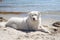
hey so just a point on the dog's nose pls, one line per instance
(33, 18)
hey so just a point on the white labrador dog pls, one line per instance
(31, 22)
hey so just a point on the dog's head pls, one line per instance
(34, 15)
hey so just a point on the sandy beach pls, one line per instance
(12, 34)
(50, 13)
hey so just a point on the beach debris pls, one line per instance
(48, 29)
(56, 24)
(2, 19)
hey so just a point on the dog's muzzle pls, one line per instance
(33, 18)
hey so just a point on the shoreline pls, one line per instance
(43, 13)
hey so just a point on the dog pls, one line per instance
(31, 22)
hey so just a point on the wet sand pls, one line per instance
(48, 19)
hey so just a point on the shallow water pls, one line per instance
(56, 17)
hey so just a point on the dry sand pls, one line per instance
(12, 34)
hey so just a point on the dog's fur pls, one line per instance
(31, 22)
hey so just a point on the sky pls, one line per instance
(29, 5)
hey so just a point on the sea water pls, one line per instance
(29, 5)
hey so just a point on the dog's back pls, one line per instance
(17, 23)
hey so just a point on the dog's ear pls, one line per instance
(39, 13)
(29, 13)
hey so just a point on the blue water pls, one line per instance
(29, 5)
(56, 17)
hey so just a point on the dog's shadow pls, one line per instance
(28, 31)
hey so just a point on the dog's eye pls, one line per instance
(35, 14)
(32, 15)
